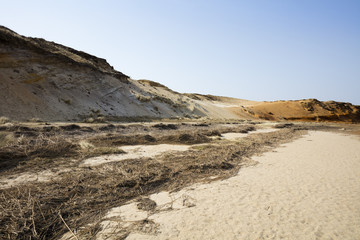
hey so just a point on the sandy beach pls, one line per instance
(234, 120)
(307, 189)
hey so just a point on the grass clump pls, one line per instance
(6, 138)
(25, 149)
(4, 120)
(105, 151)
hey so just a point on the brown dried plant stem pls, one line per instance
(67, 226)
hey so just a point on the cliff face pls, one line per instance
(51, 52)
(41, 79)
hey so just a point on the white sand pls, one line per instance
(235, 136)
(309, 189)
(26, 177)
(134, 152)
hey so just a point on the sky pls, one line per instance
(250, 49)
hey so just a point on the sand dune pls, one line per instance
(48, 81)
(308, 189)
(306, 110)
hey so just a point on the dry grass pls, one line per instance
(34, 120)
(167, 133)
(6, 138)
(39, 210)
(4, 120)
(31, 148)
(283, 125)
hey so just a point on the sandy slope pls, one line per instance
(306, 110)
(309, 189)
(41, 79)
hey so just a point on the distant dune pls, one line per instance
(307, 110)
(52, 82)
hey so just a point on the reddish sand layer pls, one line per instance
(306, 110)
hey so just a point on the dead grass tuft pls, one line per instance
(146, 204)
(4, 120)
(40, 147)
(165, 126)
(104, 151)
(34, 120)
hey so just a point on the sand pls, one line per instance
(26, 177)
(134, 152)
(307, 189)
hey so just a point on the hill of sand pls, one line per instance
(306, 110)
(52, 82)
(41, 79)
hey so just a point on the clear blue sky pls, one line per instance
(250, 49)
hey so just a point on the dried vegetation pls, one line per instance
(47, 210)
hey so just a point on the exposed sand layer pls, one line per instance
(309, 189)
(306, 110)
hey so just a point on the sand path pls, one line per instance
(309, 189)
